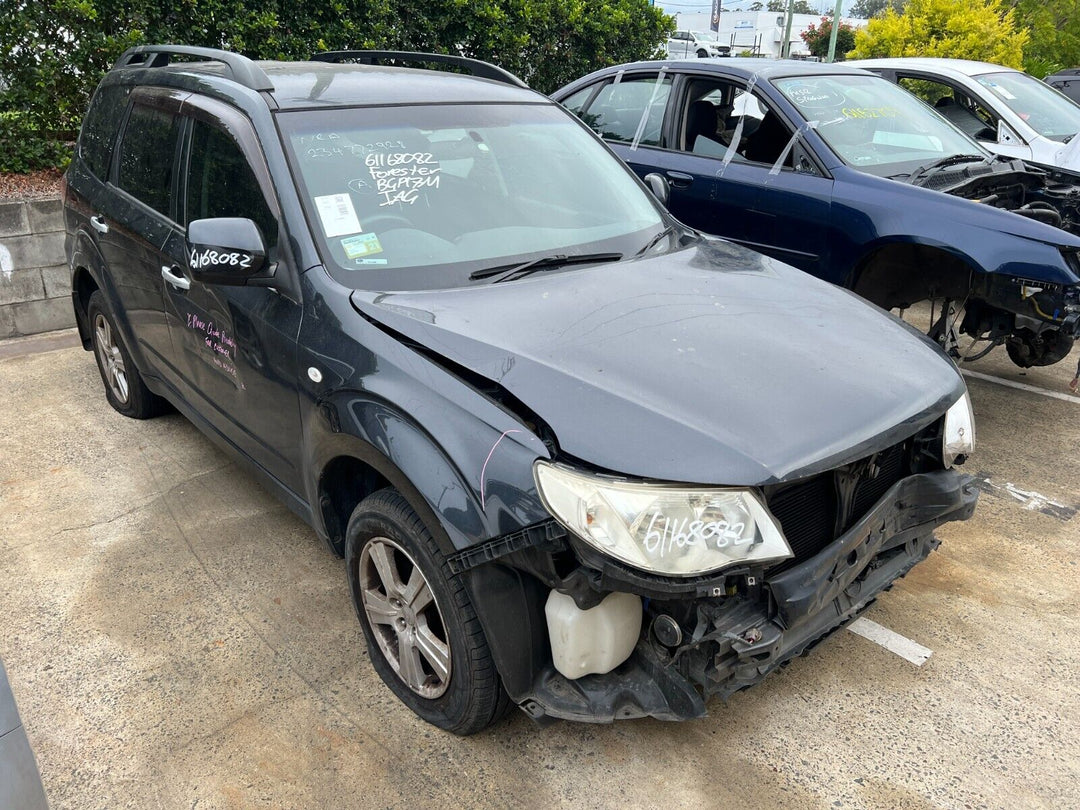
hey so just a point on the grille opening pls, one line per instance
(808, 510)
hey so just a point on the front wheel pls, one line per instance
(423, 636)
(702, 54)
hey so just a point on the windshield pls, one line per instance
(1044, 109)
(419, 197)
(705, 36)
(875, 126)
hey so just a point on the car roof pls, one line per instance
(962, 67)
(746, 67)
(300, 85)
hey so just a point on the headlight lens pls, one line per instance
(674, 531)
(958, 438)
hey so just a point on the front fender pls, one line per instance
(984, 238)
(484, 491)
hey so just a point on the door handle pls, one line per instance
(98, 221)
(178, 281)
(680, 180)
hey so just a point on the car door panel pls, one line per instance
(785, 214)
(133, 221)
(235, 346)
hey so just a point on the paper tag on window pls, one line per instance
(338, 215)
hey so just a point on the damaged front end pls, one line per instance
(1038, 320)
(851, 531)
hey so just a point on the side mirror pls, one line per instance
(659, 187)
(225, 250)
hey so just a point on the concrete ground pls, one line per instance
(177, 639)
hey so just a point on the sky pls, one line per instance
(691, 7)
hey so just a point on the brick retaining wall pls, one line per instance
(35, 283)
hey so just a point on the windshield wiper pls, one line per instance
(951, 160)
(505, 272)
(668, 231)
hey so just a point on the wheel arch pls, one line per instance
(83, 285)
(899, 273)
(508, 602)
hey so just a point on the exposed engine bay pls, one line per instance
(1011, 185)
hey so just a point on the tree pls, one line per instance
(865, 9)
(817, 38)
(801, 6)
(962, 29)
(1055, 35)
(54, 52)
(756, 6)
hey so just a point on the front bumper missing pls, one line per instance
(738, 640)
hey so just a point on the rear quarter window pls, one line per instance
(98, 137)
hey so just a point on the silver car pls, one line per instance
(1006, 110)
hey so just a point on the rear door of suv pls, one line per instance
(135, 222)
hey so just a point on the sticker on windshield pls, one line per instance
(363, 244)
(337, 214)
(870, 112)
(997, 88)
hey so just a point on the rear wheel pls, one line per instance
(124, 386)
(422, 632)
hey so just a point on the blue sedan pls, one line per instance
(848, 177)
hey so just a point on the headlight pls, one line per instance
(669, 530)
(958, 438)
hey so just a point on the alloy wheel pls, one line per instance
(112, 362)
(404, 617)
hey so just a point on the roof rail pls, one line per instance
(244, 71)
(476, 67)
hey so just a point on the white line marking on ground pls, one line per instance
(893, 642)
(1030, 500)
(978, 375)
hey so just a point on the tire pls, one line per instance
(124, 386)
(447, 676)
(703, 54)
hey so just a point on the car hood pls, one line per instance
(713, 364)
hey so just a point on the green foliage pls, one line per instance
(23, 150)
(817, 38)
(801, 6)
(1055, 35)
(960, 29)
(865, 9)
(54, 52)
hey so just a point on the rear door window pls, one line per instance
(147, 157)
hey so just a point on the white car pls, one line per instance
(1006, 110)
(702, 44)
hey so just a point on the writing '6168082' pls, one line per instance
(577, 457)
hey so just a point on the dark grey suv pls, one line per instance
(577, 457)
